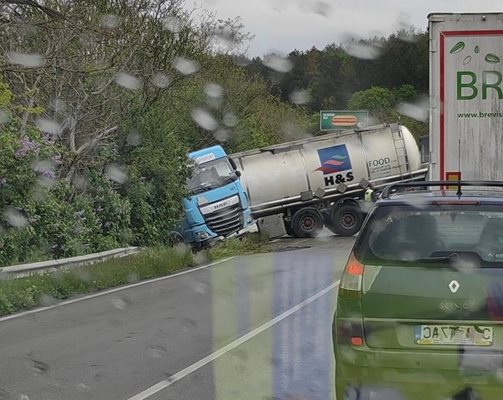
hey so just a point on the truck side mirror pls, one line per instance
(233, 164)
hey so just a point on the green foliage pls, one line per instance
(377, 100)
(249, 244)
(23, 293)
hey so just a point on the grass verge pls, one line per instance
(45, 289)
(249, 244)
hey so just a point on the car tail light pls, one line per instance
(353, 275)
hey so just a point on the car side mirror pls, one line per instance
(238, 173)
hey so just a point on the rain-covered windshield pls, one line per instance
(435, 233)
(210, 175)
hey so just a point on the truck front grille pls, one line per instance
(225, 221)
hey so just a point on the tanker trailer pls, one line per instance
(300, 186)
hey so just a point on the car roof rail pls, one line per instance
(394, 187)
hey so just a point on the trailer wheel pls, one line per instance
(307, 222)
(345, 219)
(288, 228)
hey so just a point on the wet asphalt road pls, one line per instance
(253, 327)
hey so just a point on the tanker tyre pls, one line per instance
(288, 229)
(345, 219)
(307, 222)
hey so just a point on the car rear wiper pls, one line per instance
(453, 257)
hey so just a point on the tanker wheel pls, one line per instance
(288, 228)
(307, 222)
(345, 219)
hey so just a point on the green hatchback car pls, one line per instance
(420, 305)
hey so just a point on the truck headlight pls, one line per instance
(203, 235)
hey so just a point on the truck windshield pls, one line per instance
(210, 175)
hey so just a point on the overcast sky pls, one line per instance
(285, 25)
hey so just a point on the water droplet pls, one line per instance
(28, 60)
(200, 258)
(204, 119)
(160, 80)
(15, 218)
(318, 7)
(41, 165)
(201, 287)
(222, 135)
(23, 397)
(419, 110)
(134, 138)
(121, 303)
(230, 119)
(4, 116)
(48, 126)
(59, 105)
(277, 63)
(116, 173)
(157, 351)
(80, 182)
(189, 325)
(133, 277)
(110, 21)
(40, 366)
(172, 24)
(47, 300)
(299, 96)
(186, 66)
(82, 387)
(365, 51)
(127, 81)
(213, 90)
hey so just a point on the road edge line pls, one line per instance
(110, 291)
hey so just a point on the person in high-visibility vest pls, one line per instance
(370, 195)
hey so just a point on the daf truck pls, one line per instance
(217, 206)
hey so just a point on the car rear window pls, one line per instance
(434, 234)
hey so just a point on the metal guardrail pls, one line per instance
(18, 271)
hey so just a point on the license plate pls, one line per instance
(454, 335)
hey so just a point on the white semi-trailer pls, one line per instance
(299, 187)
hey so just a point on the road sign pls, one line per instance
(343, 119)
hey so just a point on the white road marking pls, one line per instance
(104, 293)
(222, 351)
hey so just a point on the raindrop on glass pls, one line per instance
(204, 119)
(127, 81)
(110, 21)
(160, 80)
(185, 66)
(418, 110)
(134, 138)
(277, 63)
(4, 116)
(222, 135)
(121, 303)
(48, 126)
(28, 60)
(15, 218)
(23, 397)
(300, 96)
(157, 351)
(365, 51)
(116, 173)
(230, 120)
(213, 90)
(172, 24)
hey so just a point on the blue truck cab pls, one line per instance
(217, 206)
